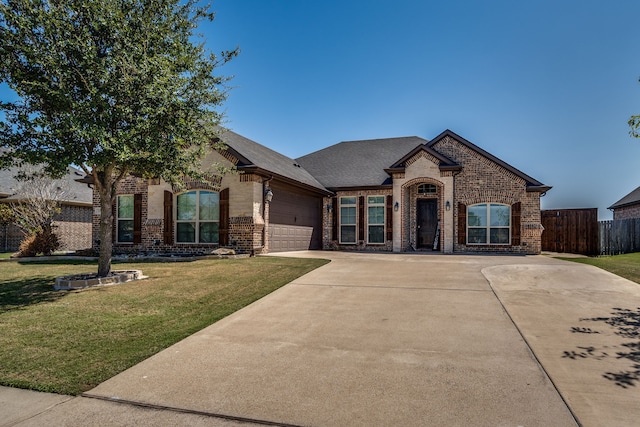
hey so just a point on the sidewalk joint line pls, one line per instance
(187, 411)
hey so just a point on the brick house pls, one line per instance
(393, 195)
(72, 225)
(627, 207)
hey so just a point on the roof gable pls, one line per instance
(443, 162)
(630, 199)
(532, 184)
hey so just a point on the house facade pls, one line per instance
(628, 207)
(392, 195)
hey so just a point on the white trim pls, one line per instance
(118, 219)
(196, 221)
(488, 226)
(353, 205)
(382, 205)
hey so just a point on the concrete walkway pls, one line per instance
(376, 340)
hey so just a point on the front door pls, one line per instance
(427, 223)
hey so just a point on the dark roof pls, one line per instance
(358, 163)
(77, 193)
(252, 156)
(532, 184)
(630, 199)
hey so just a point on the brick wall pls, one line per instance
(72, 226)
(361, 244)
(627, 212)
(483, 181)
(245, 233)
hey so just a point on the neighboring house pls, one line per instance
(72, 225)
(395, 194)
(628, 206)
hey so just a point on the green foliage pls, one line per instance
(116, 87)
(108, 83)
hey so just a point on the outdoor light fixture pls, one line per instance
(329, 208)
(268, 195)
(447, 205)
(396, 206)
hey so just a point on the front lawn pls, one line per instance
(627, 265)
(68, 342)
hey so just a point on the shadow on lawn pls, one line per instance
(15, 295)
(626, 323)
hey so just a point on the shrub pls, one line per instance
(43, 242)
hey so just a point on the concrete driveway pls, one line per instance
(381, 340)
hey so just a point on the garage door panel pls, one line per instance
(284, 237)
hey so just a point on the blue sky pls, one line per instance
(547, 86)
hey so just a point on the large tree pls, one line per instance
(116, 87)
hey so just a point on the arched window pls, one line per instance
(427, 189)
(197, 217)
(488, 224)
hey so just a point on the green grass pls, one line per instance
(627, 265)
(68, 342)
(5, 255)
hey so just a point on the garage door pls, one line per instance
(295, 219)
(289, 238)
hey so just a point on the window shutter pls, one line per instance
(462, 224)
(224, 217)
(334, 218)
(360, 219)
(516, 213)
(389, 217)
(137, 218)
(114, 228)
(168, 218)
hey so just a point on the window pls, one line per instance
(427, 189)
(375, 219)
(347, 219)
(197, 217)
(488, 224)
(124, 219)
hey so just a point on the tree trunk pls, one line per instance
(105, 192)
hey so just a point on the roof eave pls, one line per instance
(268, 174)
(362, 187)
(538, 188)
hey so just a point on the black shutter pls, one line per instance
(389, 217)
(168, 218)
(462, 224)
(516, 221)
(360, 219)
(224, 217)
(334, 218)
(114, 216)
(137, 218)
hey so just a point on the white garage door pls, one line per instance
(289, 238)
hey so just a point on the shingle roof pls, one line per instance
(76, 193)
(251, 154)
(630, 199)
(358, 163)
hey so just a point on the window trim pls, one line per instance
(197, 221)
(118, 219)
(353, 205)
(384, 219)
(488, 226)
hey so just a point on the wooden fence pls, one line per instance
(572, 231)
(619, 236)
